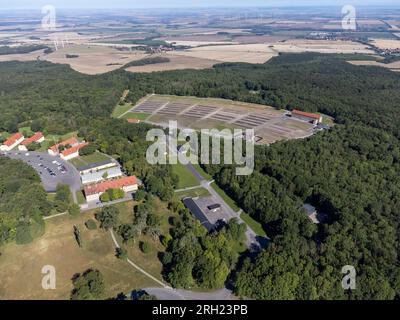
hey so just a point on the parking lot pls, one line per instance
(52, 170)
(212, 216)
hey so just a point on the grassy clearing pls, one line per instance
(52, 139)
(21, 266)
(136, 115)
(202, 172)
(198, 192)
(80, 197)
(26, 131)
(253, 224)
(186, 178)
(224, 196)
(119, 110)
(147, 261)
(92, 158)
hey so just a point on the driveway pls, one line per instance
(43, 164)
(180, 294)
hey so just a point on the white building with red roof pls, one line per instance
(12, 142)
(94, 191)
(38, 137)
(72, 152)
(306, 116)
(72, 146)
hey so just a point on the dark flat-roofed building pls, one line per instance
(198, 213)
(96, 166)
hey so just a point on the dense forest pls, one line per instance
(350, 173)
(21, 49)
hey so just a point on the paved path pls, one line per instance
(98, 204)
(180, 294)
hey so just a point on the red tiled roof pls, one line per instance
(112, 184)
(14, 138)
(306, 114)
(70, 141)
(37, 136)
(74, 149)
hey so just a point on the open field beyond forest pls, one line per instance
(394, 66)
(251, 53)
(386, 43)
(270, 125)
(20, 266)
(177, 62)
(93, 59)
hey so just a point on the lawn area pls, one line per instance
(253, 224)
(92, 158)
(202, 172)
(26, 131)
(198, 192)
(21, 266)
(52, 139)
(186, 178)
(80, 197)
(224, 196)
(147, 261)
(119, 110)
(136, 115)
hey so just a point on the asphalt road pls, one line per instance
(71, 177)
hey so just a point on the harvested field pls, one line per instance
(31, 56)
(251, 53)
(394, 66)
(177, 62)
(94, 59)
(386, 43)
(322, 46)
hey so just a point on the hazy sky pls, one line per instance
(6, 4)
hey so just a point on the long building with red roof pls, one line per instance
(37, 137)
(54, 150)
(94, 191)
(12, 142)
(310, 117)
(72, 152)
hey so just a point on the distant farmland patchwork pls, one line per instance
(270, 125)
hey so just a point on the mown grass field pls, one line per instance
(119, 110)
(92, 158)
(186, 178)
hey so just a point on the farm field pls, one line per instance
(321, 46)
(394, 66)
(251, 53)
(269, 124)
(177, 62)
(31, 56)
(386, 43)
(20, 266)
(94, 59)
